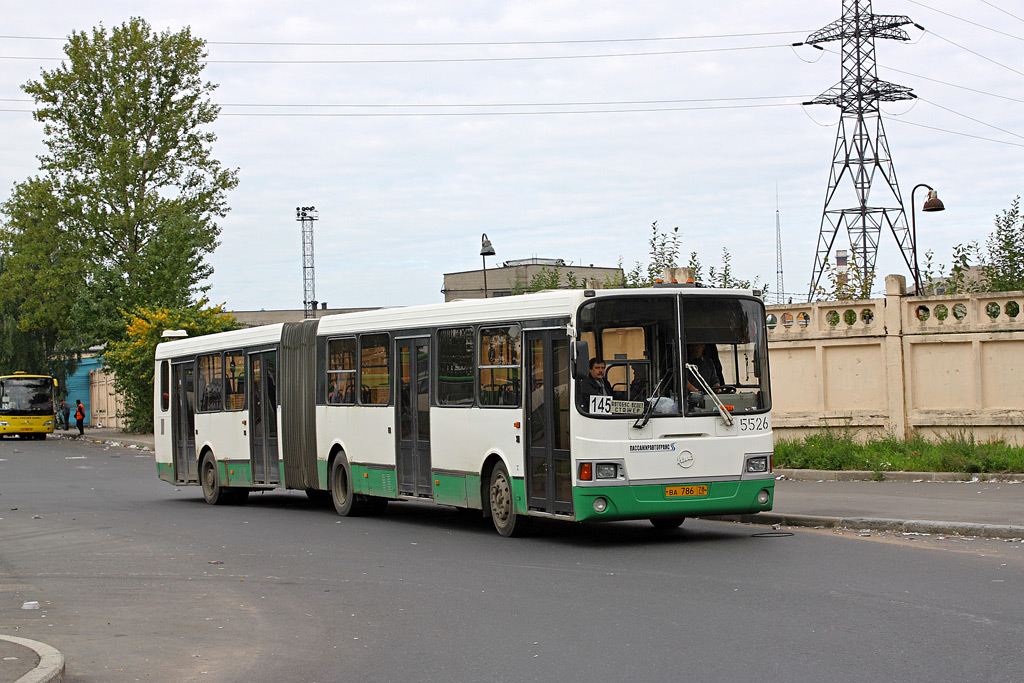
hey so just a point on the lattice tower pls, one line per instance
(861, 150)
(307, 215)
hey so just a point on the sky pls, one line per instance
(560, 128)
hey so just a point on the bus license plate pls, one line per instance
(681, 491)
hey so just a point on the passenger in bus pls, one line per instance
(594, 385)
(696, 356)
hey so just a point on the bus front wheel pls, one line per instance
(503, 512)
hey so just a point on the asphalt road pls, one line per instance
(139, 580)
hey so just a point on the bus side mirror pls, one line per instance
(581, 359)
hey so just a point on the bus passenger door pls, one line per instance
(183, 424)
(263, 418)
(413, 406)
(548, 459)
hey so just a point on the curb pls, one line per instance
(920, 526)
(51, 662)
(868, 475)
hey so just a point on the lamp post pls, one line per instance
(485, 250)
(933, 203)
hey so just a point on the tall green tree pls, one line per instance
(1004, 268)
(135, 188)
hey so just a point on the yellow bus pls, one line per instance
(26, 405)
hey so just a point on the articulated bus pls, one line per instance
(26, 405)
(485, 404)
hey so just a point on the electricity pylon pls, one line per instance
(861, 150)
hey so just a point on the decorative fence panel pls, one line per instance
(901, 366)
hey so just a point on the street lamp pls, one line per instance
(933, 203)
(485, 250)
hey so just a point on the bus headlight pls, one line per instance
(4, 423)
(600, 505)
(48, 423)
(763, 496)
(607, 470)
(758, 464)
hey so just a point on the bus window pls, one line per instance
(499, 357)
(341, 371)
(637, 338)
(210, 383)
(165, 382)
(726, 338)
(374, 370)
(234, 385)
(455, 367)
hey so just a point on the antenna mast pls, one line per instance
(306, 215)
(779, 289)
(861, 151)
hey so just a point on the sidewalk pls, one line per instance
(29, 661)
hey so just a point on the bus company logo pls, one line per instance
(685, 459)
(652, 448)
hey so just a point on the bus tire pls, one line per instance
(209, 477)
(503, 512)
(345, 503)
(664, 523)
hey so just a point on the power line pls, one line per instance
(484, 113)
(436, 60)
(1002, 10)
(508, 104)
(433, 60)
(966, 21)
(465, 43)
(953, 132)
(341, 105)
(977, 54)
(497, 113)
(971, 118)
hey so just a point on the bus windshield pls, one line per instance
(645, 344)
(26, 396)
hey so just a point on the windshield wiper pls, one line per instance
(726, 415)
(642, 421)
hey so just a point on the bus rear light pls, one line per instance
(586, 471)
(600, 505)
(607, 470)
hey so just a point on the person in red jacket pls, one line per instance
(80, 417)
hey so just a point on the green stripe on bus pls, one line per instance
(373, 481)
(649, 501)
(449, 489)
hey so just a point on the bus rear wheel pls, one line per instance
(667, 522)
(503, 513)
(345, 503)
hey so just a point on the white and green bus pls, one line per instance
(484, 404)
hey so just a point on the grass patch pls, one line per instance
(837, 450)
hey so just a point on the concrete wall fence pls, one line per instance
(902, 366)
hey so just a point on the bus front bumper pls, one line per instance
(610, 503)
